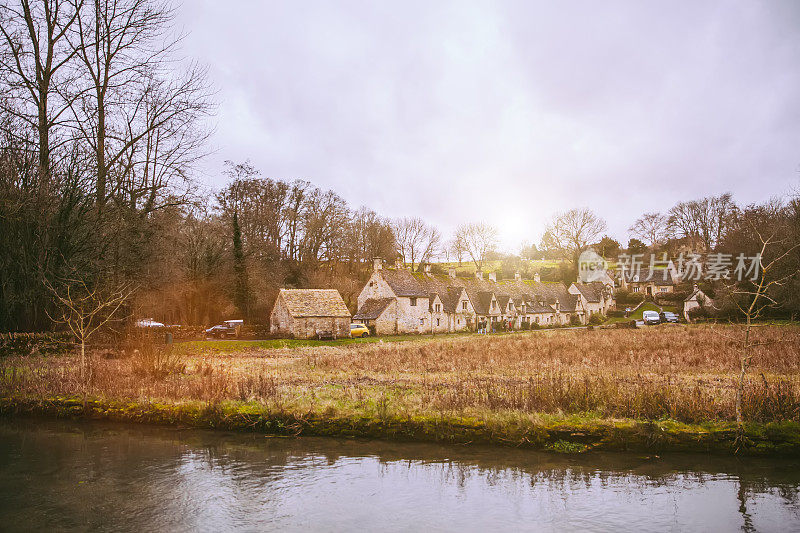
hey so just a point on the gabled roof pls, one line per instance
(432, 300)
(695, 294)
(373, 308)
(659, 276)
(502, 301)
(314, 302)
(593, 291)
(450, 300)
(569, 303)
(404, 283)
(485, 302)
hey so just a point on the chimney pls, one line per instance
(479, 275)
(377, 263)
(492, 276)
(536, 277)
(428, 268)
(695, 287)
(517, 275)
(558, 306)
(452, 273)
(398, 263)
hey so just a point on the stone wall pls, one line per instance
(410, 318)
(280, 321)
(308, 327)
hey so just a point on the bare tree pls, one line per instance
(35, 63)
(653, 228)
(457, 249)
(476, 240)
(416, 240)
(125, 48)
(704, 221)
(84, 310)
(769, 231)
(572, 231)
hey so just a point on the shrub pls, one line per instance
(574, 320)
(596, 319)
(698, 313)
(624, 297)
(151, 357)
(615, 313)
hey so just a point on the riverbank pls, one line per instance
(553, 433)
(654, 390)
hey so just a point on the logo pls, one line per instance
(591, 266)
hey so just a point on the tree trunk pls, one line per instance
(102, 172)
(84, 371)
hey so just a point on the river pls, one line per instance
(59, 475)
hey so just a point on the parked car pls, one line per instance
(221, 331)
(668, 316)
(651, 318)
(359, 331)
(148, 323)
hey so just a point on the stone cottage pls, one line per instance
(396, 300)
(650, 282)
(309, 313)
(596, 297)
(695, 300)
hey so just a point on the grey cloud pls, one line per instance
(507, 112)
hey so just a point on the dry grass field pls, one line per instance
(682, 373)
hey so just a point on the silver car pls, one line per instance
(651, 318)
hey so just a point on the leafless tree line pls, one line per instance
(702, 223)
(101, 124)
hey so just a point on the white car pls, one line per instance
(148, 323)
(650, 318)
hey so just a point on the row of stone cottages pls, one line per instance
(395, 300)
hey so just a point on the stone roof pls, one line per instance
(314, 302)
(697, 293)
(373, 308)
(569, 303)
(404, 283)
(484, 302)
(662, 276)
(502, 301)
(593, 291)
(450, 301)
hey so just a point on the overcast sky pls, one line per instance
(506, 112)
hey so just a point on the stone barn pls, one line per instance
(310, 313)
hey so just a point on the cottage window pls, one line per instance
(421, 321)
(636, 289)
(412, 302)
(464, 305)
(437, 322)
(438, 309)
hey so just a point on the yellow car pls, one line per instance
(359, 330)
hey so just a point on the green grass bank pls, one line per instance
(564, 434)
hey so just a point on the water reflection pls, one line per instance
(79, 476)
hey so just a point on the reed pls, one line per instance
(685, 373)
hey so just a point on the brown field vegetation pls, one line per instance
(684, 373)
